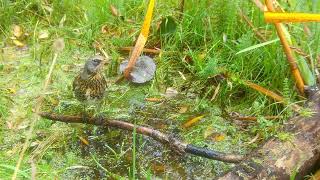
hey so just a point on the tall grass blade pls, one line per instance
(257, 46)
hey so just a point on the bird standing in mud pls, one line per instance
(90, 85)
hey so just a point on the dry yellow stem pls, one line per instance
(147, 20)
(292, 62)
(141, 41)
(146, 50)
(252, 118)
(271, 94)
(277, 17)
(265, 91)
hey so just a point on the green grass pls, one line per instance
(194, 48)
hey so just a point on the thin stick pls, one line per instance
(146, 50)
(35, 116)
(174, 144)
(252, 118)
(292, 62)
(181, 9)
(247, 20)
(141, 41)
(120, 79)
(265, 91)
(278, 17)
(259, 5)
(271, 94)
(99, 46)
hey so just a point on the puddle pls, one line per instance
(112, 148)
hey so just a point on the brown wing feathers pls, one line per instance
(91, 88)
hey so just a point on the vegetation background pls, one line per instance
(196, 48)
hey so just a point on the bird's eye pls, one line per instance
(96, 60)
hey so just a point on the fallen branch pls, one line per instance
(282, 159)
(174, 144)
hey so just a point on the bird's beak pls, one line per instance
(105, 62)
(102, 64)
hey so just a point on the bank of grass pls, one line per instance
(202, 45)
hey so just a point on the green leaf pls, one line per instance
(257, 46)
(211, 68)
(167, 26)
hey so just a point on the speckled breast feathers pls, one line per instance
(90, 84)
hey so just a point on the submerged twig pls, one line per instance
(174, 144)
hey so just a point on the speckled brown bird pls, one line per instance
(90, 85)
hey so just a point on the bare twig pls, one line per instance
(119, 79)
(181, 9)
(273, 95)
(145, 50)
(253, 118)
(174, 144)
(253, 140)
(114, 11)
(259, 4)
(248, 21)
(99, 46)
(33, 169)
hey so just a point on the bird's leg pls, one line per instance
(85, 114)
(98, 112)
